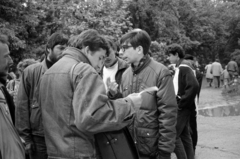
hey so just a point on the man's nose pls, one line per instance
(10, 63)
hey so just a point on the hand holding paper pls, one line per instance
(137, 97)
(150, 89)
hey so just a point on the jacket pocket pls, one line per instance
(36, 117)
(147, 141)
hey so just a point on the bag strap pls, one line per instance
(71, 75)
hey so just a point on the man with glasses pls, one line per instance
(153, 129)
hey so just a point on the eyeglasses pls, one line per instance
(125, 47)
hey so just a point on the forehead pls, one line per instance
(100, 52)
(4, 49)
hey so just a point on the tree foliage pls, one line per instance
(206, 29)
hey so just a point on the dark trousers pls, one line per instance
(193, 129)
(216, 80)
(184, 148)
(40, 148)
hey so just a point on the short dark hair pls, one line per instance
(137, 37)
(189, 57)
(90, 38)
(4, 39)
(174, 49)
(56, 39)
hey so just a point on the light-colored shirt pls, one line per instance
(109, 72)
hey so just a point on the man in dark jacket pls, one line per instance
(11, 146)
(193, 116)
(28, 114)
(232, 69)
(74, 102)
(153, 129)
(186, 87)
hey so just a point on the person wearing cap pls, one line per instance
(186, 88)
(28, 112)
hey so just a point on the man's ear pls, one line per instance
(49, 51)
(140, 49)
(87, 50)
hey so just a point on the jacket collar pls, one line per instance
(122, 64)
(76, 54)
(142, 64)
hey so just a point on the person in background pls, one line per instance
(113, 66)
(28, 114)
(209, 75)
(232, 69)
(216, 71)
(11, 146)
(13, 84)
(154, 128)
(193, 115)
(186, 88)
(226, 77)
(111, 73)
(74, 102)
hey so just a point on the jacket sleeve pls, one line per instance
(167, 107)
(93, 111)
(22, 111)
(190, 83)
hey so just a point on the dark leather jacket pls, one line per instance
(28, 113)
(153, 129)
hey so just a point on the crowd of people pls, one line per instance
(222, 77)
(88, 99)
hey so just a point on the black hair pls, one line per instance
(137, 37)
(189, 57)
(175, 49)
(56, 39)
(90, 38)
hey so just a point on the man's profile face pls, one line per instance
(5, 59)
(129, 53)
(56, 53)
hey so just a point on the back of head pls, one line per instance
(137, 37)
(217, 60)
(176, 49)
(188, 57)
(56, 39)
(90, 38)
(25, 63)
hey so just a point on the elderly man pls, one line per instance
(10, 143)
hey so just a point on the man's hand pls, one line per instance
(136, 99)
(112, 86)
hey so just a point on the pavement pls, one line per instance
(218, 125)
